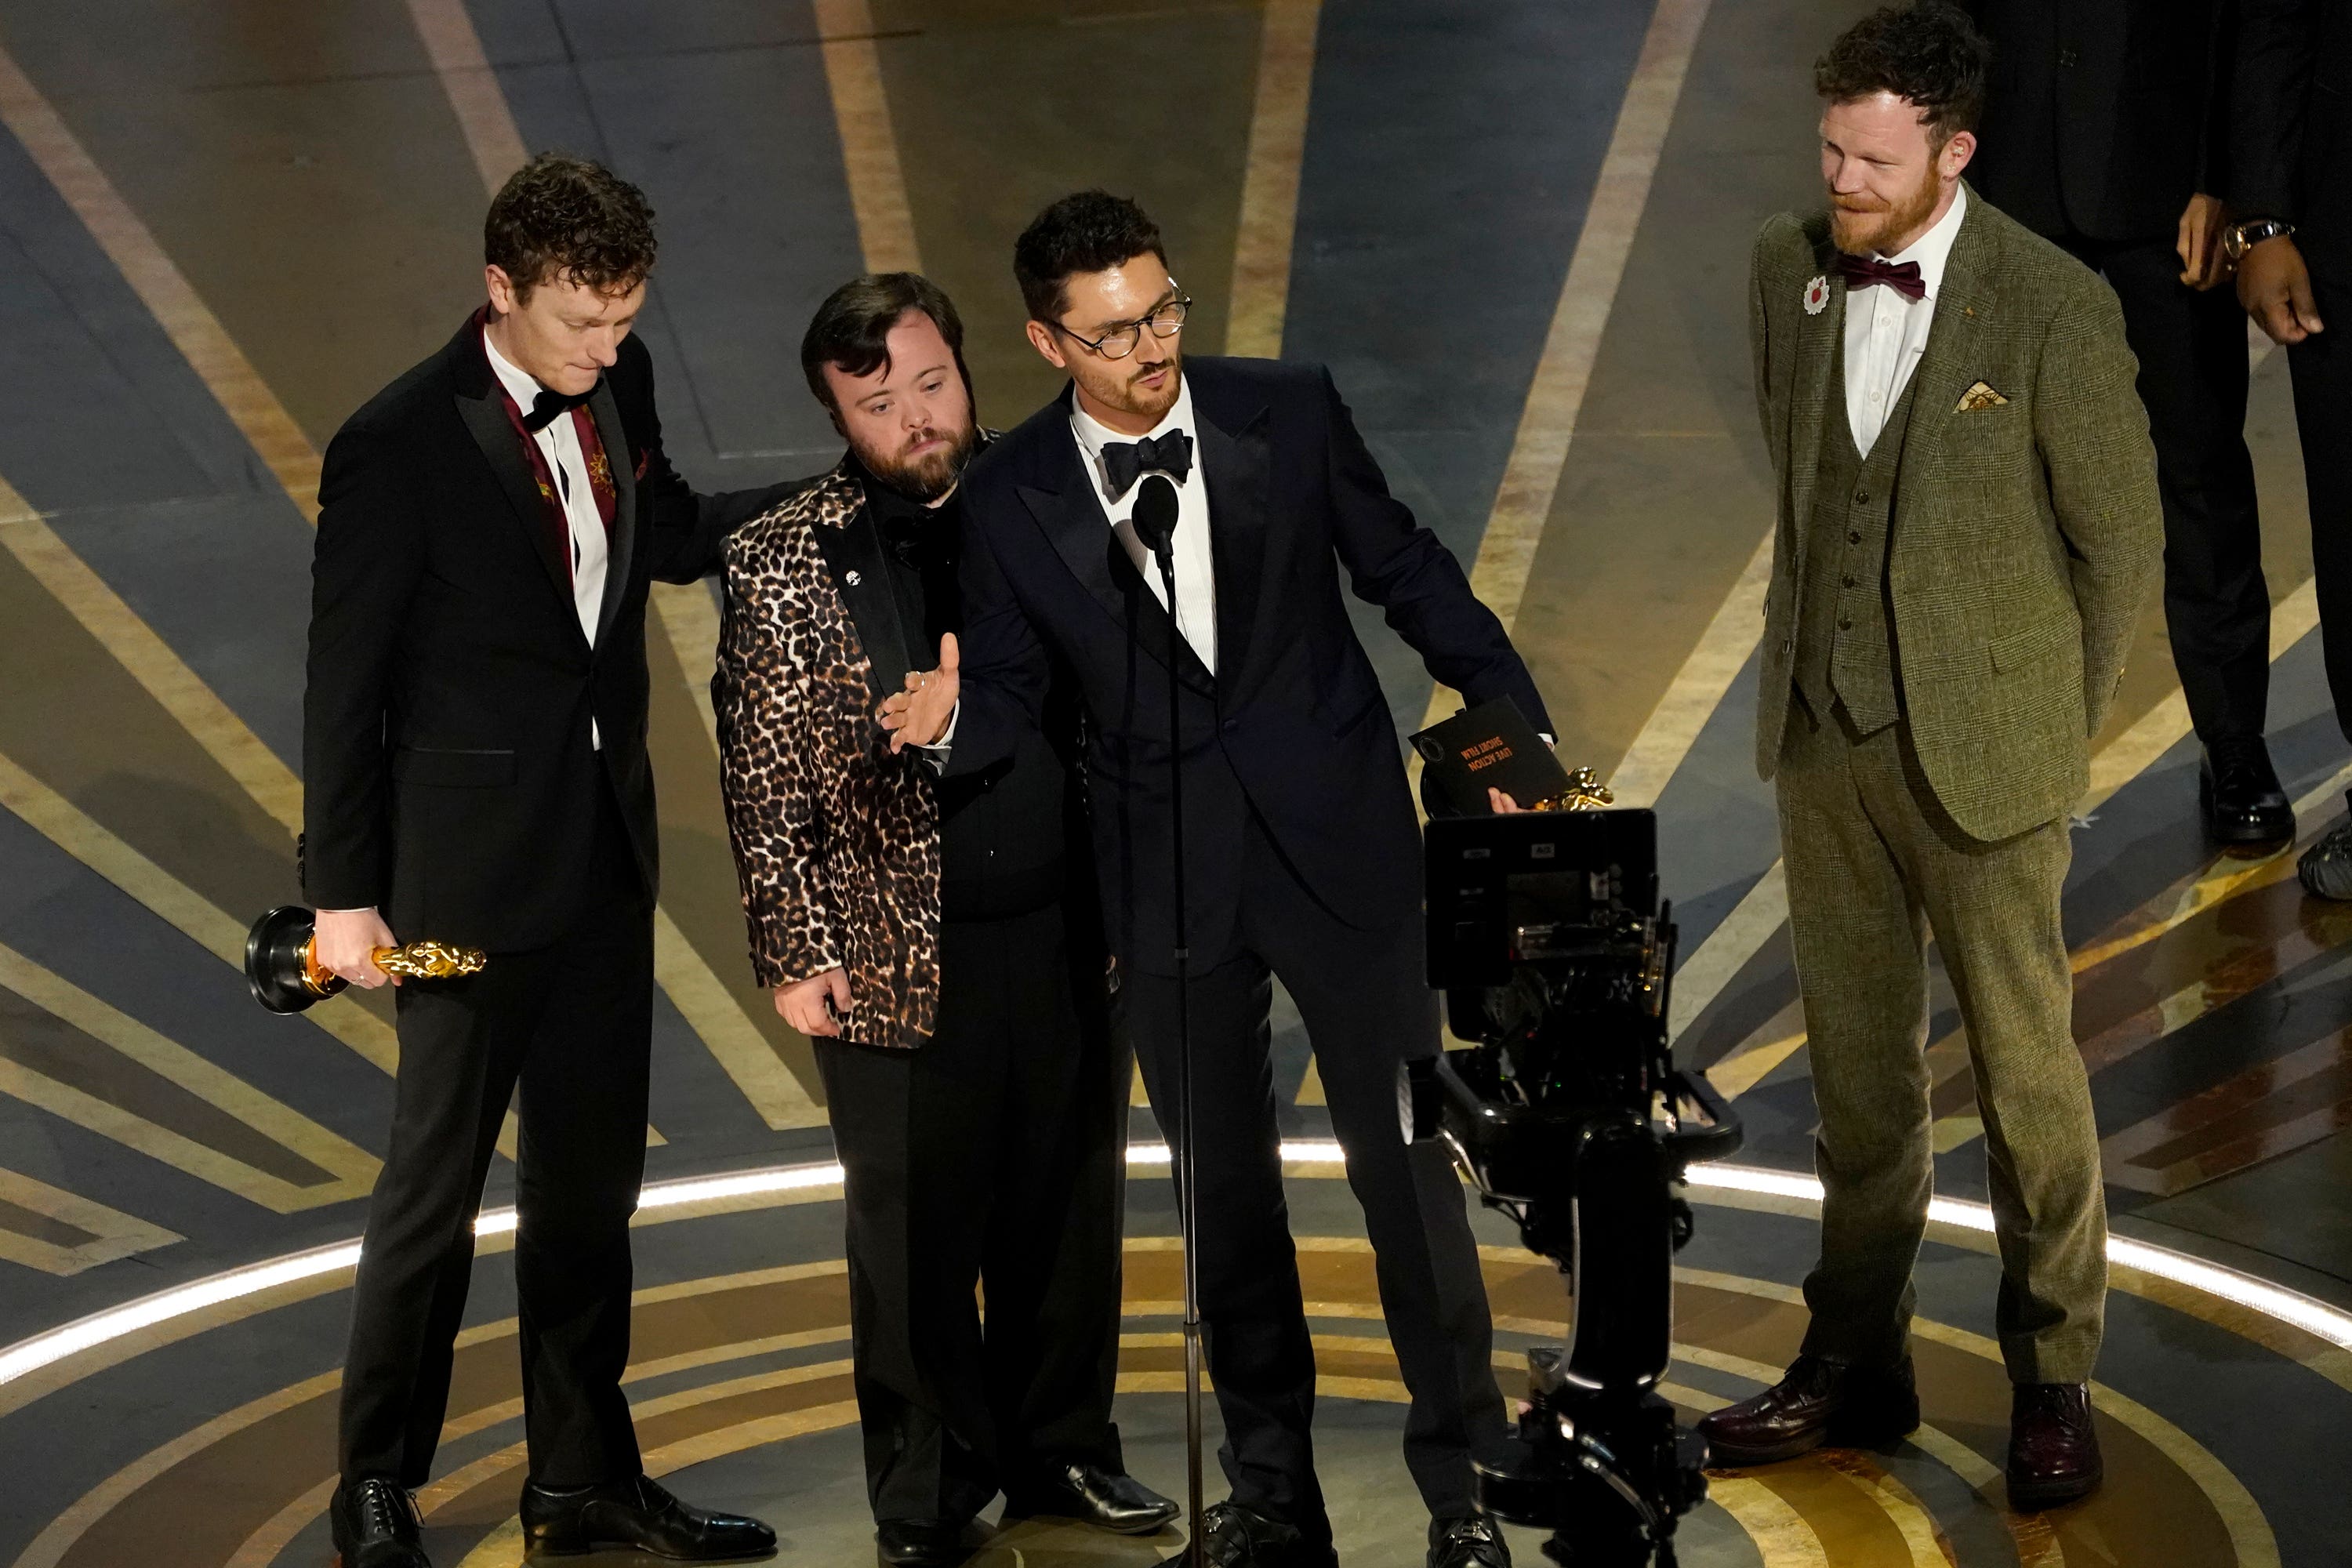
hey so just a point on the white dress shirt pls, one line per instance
(1196, 577)
(1885, 333)
(559, 443)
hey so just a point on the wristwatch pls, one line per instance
(2241, 238)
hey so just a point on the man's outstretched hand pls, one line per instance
(919, 715)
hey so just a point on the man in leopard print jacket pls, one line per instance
(938, 941)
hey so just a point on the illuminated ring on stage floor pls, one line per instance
(30, 1356)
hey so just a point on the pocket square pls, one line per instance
(1978, 396)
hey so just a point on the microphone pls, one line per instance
(1153, 520)
(1155, 515)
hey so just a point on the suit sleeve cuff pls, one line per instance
(935, 753)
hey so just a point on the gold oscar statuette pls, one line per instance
(1585, 792)
(281, 963)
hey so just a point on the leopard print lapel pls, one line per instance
(835, 837)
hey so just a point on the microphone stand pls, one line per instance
(1187, 1194)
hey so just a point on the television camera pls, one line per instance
(1547, 937)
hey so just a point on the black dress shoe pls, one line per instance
(640, 1516)
(1819, 1401)
(2326, 867)
(1089, 1494)
(2239, 793)
(1467, 1541)
(2054, 1449)
(1233, 1536)
(926, 1543)
(375, 1525)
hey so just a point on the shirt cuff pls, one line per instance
(937, 751)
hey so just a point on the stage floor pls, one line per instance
(2215, 1421)
(1517, 231)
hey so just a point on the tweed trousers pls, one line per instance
(1875, 865)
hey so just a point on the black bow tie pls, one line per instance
(549, 406)
(1124, 462)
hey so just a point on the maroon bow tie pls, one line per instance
(1862, 271)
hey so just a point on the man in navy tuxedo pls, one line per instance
(1304, 856)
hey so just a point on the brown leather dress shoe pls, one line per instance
(2053, 1448)
(1819, 1401)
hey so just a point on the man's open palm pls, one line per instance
(919, 716)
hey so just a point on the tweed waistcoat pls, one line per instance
(1845, 634)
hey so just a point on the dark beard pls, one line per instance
(927, 477)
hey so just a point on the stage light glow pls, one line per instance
(698, 1190)
(101, 1328)
(1747, 1179)
(26, 1356)
(2313, 1316)
(1295, 1151)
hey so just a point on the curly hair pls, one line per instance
(1927, 53)
(565, 219)
(1090, 231)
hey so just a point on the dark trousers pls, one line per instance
(992, 1154)
(572, 1026)
(1367, 1012)
(2322, 366)
(2191, 349)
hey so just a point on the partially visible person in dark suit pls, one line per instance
(2105, 128)
(1305, 857)
(2291, 192)
(939, 940)
(474, 772)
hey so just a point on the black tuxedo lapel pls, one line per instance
(1238, 470)
(480, 405)
(853, 558)
(1066, 508)
(622, 547)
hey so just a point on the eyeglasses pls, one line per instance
(1117, 342)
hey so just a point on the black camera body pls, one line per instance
(1548, 939)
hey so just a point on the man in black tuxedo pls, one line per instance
(2104, 129)
(2291, 190)
(939, 942)
(1305, 855)
(474, 772)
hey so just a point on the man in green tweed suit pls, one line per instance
(1968, 525)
